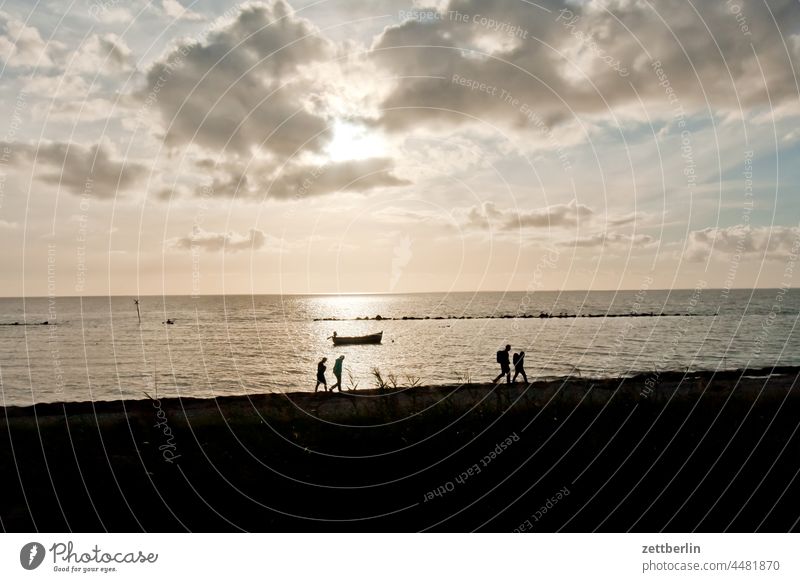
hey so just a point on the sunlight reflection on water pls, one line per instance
(242, 344)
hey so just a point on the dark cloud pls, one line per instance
(707, 60)
(243, 86)
(169, 193)
(233, 179)
(609, 239)
(556, 215)
(91, 171)
(570, 214)
(348, 176)
(230, 181)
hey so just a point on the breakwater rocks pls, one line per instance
(542, 315)
(671, 452)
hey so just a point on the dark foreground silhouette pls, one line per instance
(664, 451)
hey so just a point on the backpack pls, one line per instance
(515, 359)
(500, 357)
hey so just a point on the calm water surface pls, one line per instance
(252, 344)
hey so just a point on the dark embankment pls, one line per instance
(703, 451)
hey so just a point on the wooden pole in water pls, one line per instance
(139, 315)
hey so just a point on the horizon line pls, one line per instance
(359, 293)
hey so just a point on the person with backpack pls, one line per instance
(337, 371)
(505, 368)
(519, 367)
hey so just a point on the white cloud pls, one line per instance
(75, 112)
(768, 242)
(570, 214)
(21, 45)
(612, 239)
(58, 87)
(108, 53)
(210, 241)
(176, 10)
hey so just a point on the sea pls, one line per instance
(98, 348)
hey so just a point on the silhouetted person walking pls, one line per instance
(519, 367)
(337, 371)
(321, 374)
(505, 368)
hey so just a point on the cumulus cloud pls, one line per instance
(267, 83)
(569, 214)
(210, 241)
(244, 85)
(76, 93)
(488, 215)
(612, 239)
(347, 176)
(176, 10)
(106, 52)
(74, 112)
(59, 88)
(230, 180)
(92, 171)
(21, 45)
(482, 216)
(585, 58)
(258, 181)
(769, 242)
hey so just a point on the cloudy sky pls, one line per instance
(331, 146)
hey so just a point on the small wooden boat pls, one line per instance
(375, 338)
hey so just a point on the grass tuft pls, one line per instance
(379, 382)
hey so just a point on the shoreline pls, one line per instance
(700, 451)
(670, 375)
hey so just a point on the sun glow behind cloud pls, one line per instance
(355, 142)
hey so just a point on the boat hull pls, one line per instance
(374, 338)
